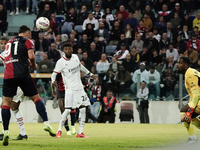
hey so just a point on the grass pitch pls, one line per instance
(101, 136)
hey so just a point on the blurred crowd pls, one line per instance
(116, 40)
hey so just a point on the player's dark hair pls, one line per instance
(24, 29)
(186, 60)
(4, 38)
(66, 44)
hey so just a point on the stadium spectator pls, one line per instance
(186, 6)
(123, 12)
(84, 44)
(129, 34)
(80, 53)
(109, 16)
(115, 34)
(46, 12)
(135, 56)
(146, 56)
(128, 63)
(151, 43)
(177, 9)
(94, 54)
(3, 20)
(156, 59)
(153, 82)
(165, 13)
(148, 24)
(149, 12)
(133, 22)
(92, 21)
(95, 3)
(51, 3)
(41, 44)
(196, 21)
(158, 5)
(75, 43)
(99, 44)
(53, 54)
(106, 23)
(134, 4)
(70, 3)
(141, 29)
(89, 31)
(114, 65)
(46, 62)
(170, 63)
(102, 67)
(192, 54)
(143, 103)
(50, 35)
(194, 42)
(108, 106)
(184, 34)
(173, 52)
(123, 79)
(109, 82)
(54, 24)
(121, 22)
(102, 33)
(88, 62)
(164, 42)
(35, 8)
(179, 44)
(156, 35)
(12, 4)
(160, 25)
(186, 21)
(97, 13)
(82, 15)
(197, 32)
(121, 54)
(69, 21)
(176, 21)
(122, 40)
(171, 4)
(94, 71)
(137, 14)
(171, 33)
(58, 42)
(34, 33)
(143, 73)
(137, 43)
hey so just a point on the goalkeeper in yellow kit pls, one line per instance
(191, 111)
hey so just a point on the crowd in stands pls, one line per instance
(117, 40)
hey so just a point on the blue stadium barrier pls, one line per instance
(110, 49)
(60, 19)
(192, 17)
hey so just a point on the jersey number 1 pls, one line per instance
(8, 48)
(15, 48)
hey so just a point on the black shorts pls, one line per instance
(26, 84)
(61, 94)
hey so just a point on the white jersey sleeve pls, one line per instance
(2, 55)
(59, 66)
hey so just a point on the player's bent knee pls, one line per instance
(15, 106)
(35, 98)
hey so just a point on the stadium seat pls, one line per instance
(192, 17)
(110, 49)
(78, 28)
(60, 19)
(126, 113)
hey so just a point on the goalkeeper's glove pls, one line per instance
(187, 116)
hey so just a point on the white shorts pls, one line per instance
(74, 99)
(19, 96)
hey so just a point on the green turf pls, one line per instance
(101, 136)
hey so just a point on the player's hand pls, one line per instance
(34, 66)
(54, 84)
(187, 116)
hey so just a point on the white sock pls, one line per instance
(82, 116)
(20, 121)
(17, 9)
(193, 137)
(46, 122)
(63, 118)
(27, 8)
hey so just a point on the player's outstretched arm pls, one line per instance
(83, 69)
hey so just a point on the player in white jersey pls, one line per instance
(17, 99)
(75, 97)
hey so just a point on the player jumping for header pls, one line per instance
(190, 112)
(19, 54)
(75, 97)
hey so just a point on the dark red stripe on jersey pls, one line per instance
(1, 57)
(55, 72)
(73, 111)
(29, 44)
(35, 85)
(67, 119)
(65, 58)
(37, 100)
(5, 107)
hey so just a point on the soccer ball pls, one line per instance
(42, 24)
